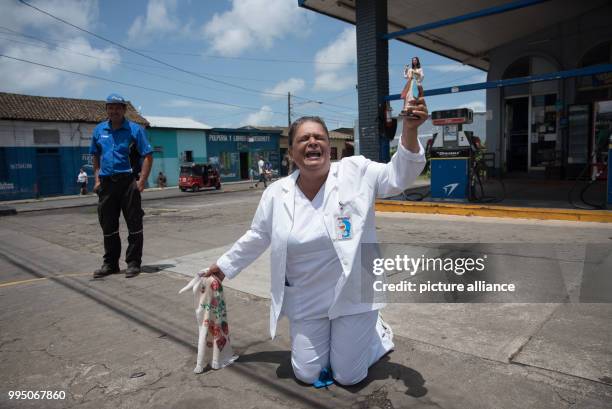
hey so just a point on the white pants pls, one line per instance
(349, 344)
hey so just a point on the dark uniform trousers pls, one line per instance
(119, 193)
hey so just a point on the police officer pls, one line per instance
(117, 187)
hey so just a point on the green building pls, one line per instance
(175, 141)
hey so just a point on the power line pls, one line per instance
(330, 118)
(145, 55)
(341, 95)
(323, 102)
(274, 60)
(47, 45)
(187, 54)
(61, 41)
(152, 58)
(119, 62)
(128, 64)
(57, 44)
(137, 86)
(323, 116)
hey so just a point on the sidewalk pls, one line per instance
(119, 343)
(131, 343)
(65, 202)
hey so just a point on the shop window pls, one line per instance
(334, 153)
(543, 130)
(46, 137)
(228, 163)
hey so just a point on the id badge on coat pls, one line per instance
(344, 228)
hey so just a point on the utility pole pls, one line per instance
(289, 109)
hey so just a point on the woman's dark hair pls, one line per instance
(298, 122)
(418, 64)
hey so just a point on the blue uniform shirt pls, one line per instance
(113, 146)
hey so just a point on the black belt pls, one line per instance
(117, 177)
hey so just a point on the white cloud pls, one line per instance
(476, 106)
(160, 19)
(190, 104)
(292, 85)
(255, 24)
(334, 64)
(261, 117)
(451, 68)
(482, 77)
(18, 76)
(83, 13)
(182, 103)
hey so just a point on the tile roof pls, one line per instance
(347, 131)
(55, 109)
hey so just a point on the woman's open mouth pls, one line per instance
(313, 155)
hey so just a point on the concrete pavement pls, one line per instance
(67, 202)
(60, 330)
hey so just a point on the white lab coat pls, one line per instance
(354, 182)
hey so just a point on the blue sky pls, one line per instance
(251, 53)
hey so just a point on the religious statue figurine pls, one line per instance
(414, 87)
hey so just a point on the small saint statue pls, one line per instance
(414, 86)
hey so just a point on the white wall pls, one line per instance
(21, 133)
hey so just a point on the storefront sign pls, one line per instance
(218, 138)
(19, 166)
(239, 138)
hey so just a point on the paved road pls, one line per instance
(60, 330)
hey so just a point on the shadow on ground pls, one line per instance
(382, 370)
(156, 268)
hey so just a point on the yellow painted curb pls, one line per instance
(465, 209)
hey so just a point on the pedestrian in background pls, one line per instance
(284, 166)
(116, 185)
(252, 176)
(261, 167)
(82, 181)
(161, 180)
(268, 170)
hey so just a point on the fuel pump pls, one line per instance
(452, 156)
(596, 171)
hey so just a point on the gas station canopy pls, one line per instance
(475, 26)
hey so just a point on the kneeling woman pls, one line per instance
(315, 219)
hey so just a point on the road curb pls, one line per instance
(463, 209)
(7, 211)
(95, 203)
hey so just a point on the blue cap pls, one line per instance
(116, 99)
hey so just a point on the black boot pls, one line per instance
(106, 270)
(132, 271)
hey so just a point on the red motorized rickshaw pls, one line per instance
(196, 176)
